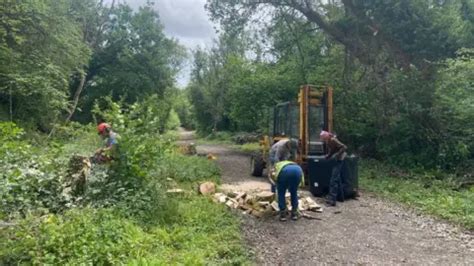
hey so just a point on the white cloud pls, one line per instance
(185, 20)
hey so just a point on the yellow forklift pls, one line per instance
(303, 120)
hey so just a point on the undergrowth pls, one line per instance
(125, 215)
(433, 192)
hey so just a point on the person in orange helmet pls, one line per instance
(104, 154)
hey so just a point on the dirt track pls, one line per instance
(365, 231)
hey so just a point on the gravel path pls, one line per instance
(365, 231)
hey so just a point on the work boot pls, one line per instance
(295, 215)
(330, 202)
(282, 216)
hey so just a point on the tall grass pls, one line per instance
(434, 193)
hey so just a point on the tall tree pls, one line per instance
(40, 46)
(134, 59)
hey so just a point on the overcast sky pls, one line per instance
(185, 20)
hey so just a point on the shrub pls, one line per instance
(28, 179)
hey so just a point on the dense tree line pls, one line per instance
(402, 72)
(60, 57)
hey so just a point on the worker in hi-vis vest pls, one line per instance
(287, 175)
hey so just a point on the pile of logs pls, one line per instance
(262, 203)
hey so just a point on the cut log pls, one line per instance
(240, 195)
(232, 194)
(249, 199)
(245, 207)
(265, 196)
(220, 197)
(207, 188)
(232, 204)
(312, 205)
(275, 206)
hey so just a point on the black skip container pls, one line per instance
(320, 170)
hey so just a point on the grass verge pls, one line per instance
(199, 233)
(430, 192)
(249, 147)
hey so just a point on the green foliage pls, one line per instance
(194, 235)
(433, 192)
(135, 60)
(250, 147)
(27, 181)
(40, 46)
(48, 47)
(184, 109)
(401, 95)
(187, 169)
(455, 109)
(124, 216)
(173, 120)
(77, 237)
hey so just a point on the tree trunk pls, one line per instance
(77, 95)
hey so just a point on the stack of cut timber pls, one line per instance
(260, 204)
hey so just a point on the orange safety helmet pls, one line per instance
(102, 127)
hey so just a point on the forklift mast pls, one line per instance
(315, 114)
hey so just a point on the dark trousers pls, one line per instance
(289, 178)
(335, 184)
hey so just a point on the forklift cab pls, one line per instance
(303, 120)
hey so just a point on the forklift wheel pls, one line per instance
(257, 165)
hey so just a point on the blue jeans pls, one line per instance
(335, 184)
(289, 178)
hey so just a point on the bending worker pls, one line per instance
(337, 151)
(288, 176)
(280, 154)
(283, 150)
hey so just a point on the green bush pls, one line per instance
(29, 180)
